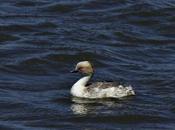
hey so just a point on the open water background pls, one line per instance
(132, 41)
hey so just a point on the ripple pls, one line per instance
(61, 8)
(121, 119)
(29, 3)
(8, 37)
(46, 34)
(139, 39)
(27, 27)
(65, 57)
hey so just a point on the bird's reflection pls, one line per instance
(79, 109)
(85, 106)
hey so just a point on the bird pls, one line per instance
(96, 90)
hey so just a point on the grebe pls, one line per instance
(98, 89)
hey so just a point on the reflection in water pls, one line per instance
(83, 106)
(79, 109)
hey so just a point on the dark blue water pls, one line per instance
(131, 41)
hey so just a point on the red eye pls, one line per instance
(81, 68)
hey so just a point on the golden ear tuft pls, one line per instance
(86, 67)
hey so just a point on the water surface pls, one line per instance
(130, 41)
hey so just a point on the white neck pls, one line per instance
(78, 88)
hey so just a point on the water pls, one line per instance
(131, 41)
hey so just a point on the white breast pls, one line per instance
(100, 90)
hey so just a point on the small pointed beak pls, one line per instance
(74, 71)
